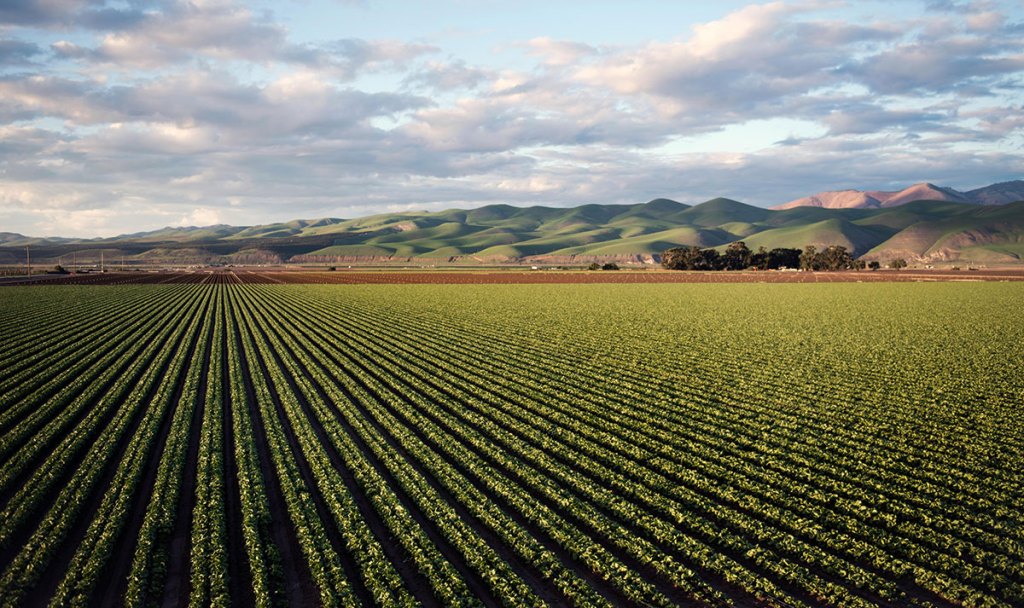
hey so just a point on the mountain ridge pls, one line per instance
(920, 231)
(994, 194)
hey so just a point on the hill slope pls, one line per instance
(874, 199)
(921, 231)
(996, 194)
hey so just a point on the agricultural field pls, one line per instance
(521, 445)
(519, 276)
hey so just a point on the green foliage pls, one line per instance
(782, 257)
(521, 445)
(690, 257)
(809, 258)
(736, 256)
(835, 257)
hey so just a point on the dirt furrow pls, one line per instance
(56, 570)
(299, 588)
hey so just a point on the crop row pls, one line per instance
(269, 445)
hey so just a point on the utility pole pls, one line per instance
(28, 262)
(101, 262)
(74, 262)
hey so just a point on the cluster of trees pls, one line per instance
(607, 266)
(833, 257)
(737, 256)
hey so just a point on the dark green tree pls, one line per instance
(680, 258)
(809, 258)
(691, 257)
(736, 257)
(898, 263)
(708, 259)
(610, 266)
(759, 259)
(835, 257)
(782, 257)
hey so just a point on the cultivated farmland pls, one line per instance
(608, 444)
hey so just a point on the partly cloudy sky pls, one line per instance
(137, 114)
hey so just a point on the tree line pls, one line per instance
(737, 256)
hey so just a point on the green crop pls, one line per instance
(526, 445)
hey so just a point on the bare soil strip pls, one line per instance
(333, 536)
(176, 587)
(239, 573)
(541, 586)
(58, 566)
(26, 529)
(299, 588)
(504, 277)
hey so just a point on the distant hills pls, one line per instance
(996, 194)
(984, 227)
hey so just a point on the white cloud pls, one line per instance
(200, 216)
(141, 114)
(447, 76)
(560, 52)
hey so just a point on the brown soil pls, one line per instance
(488, 277)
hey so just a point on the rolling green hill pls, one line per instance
(921, 231)
(821, 234)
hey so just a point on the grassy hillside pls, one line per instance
(919, 231)
(835, 231)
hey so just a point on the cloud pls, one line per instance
(758, 62)
(987, 21)
(524, 117)
(560, 52)
(26, 96)
(91, 14)
(970, 54)
(866, 118)
(938, 66)
(350, 55)
(751, 63)
(200, 216)
(296, 104)
(963, 8)
(36, 12)
(146, 113)
(17, 52)
(182, 32)
(995, 123)
(447, 76)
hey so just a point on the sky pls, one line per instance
(131, 115)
